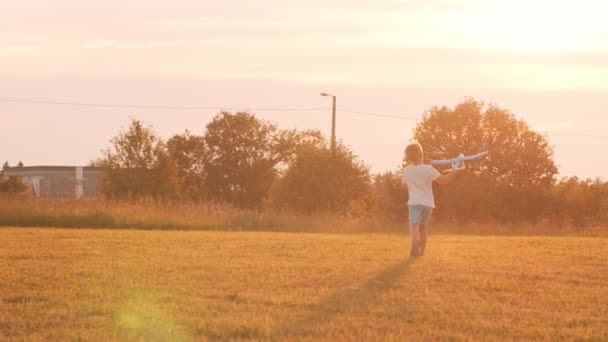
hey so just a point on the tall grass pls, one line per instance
(150, 214)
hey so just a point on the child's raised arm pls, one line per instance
(449, 177)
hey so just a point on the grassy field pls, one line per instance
(174, 285)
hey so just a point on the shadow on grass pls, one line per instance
(352, 301)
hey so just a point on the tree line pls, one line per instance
(247, 162)
(240, 160)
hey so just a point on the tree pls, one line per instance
(580, 203)
(189, 155)
(12, 186)
(20, 164)
(137, 164)
(5, 166)
(287, 143)
(316, 181)
(241, 161)
(245, 155)
(511, 183)
(390, 196)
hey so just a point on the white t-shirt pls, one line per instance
(419, 180)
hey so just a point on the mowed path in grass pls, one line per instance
(170, 285)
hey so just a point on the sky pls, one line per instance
(545, 61)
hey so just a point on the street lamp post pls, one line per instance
(333, 123)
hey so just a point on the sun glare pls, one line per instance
(535, 26)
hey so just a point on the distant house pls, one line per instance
(58, 181)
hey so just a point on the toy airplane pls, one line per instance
(457, 162)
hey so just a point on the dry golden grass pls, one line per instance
(148, 214)
(174, 285)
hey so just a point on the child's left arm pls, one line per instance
(449, 177)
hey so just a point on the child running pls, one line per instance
(418, 179)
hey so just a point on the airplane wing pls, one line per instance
(442, 162)
(475, 156)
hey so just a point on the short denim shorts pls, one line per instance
(420, 213)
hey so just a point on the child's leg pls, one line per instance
(415, 236)
(415, 217)
(426, 218)
(422, 231)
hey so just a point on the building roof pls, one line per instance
(28, 171)
(51, 168)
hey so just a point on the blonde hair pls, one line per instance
(414, 153)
